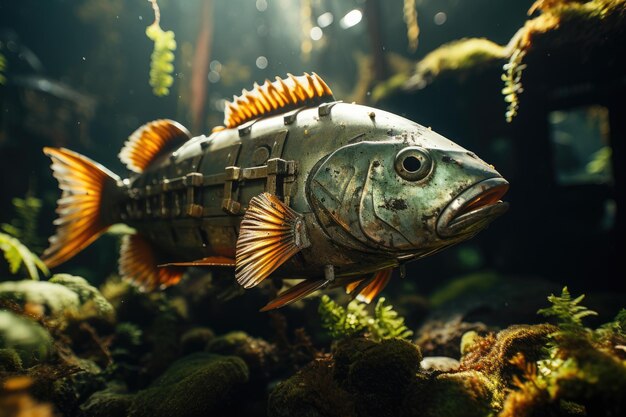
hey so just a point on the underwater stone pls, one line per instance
(312, 392)
(200, 384)
(346, 352)
(439, 363)
(163, 335)
(28, 339)
(381, 375)
(113, 401)
(467, 394)
(196, 339)
(258, 354)
(443, 337)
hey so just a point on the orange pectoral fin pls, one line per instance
(208, 261)
(271, 233)
(367, 290)
(295, 293)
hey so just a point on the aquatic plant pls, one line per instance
(577, 370)
(162, 58)
(24, 225)
(17, 256)
(567, 310)
(3, 67)
(387, 323)
(342, 322)
(412, 27)
(600, 162)
(355, 319)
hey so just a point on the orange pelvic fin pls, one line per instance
(270, 234)
(368, 289)
(80, 220)
(208, 261)
(279, 96)
(295, 293)
(150, 141)
(139, 263)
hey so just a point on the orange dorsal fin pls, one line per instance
(80, 211)
(139, 264)
(276, 97)
(270, 234)
(366, 290)
(295, 293)
(150, 141)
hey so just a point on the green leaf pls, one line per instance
(566, 310)
(18, 255)
(355, 318)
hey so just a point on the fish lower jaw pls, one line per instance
(473, 209)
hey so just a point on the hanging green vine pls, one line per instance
(162, 58)
(3, 67)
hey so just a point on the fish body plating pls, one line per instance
(295, 184)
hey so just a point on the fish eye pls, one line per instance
(413, 163)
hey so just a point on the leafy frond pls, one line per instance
(18, 255)
(339, 321)
(567, 310)
(24, 225)
(387, 323)
(355, 319)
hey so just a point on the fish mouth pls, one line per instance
(473, 209)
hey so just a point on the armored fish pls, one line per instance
(295, 184)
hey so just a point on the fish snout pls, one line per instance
(474, 208)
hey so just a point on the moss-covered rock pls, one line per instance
(88, 295)
(312, 392)
(10, 361)
(258, 354)
(380, 377)
(31, 342)
(54, 298)
(348, 351)
(467, 394)
(63, 295)
(113, 401)
(200, 384)
(386, 368)
(196, 339)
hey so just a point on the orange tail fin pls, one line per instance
(80, 220)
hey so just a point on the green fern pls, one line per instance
(566, 310)
(339, 321)
(355, 319)
(18, 255)
(387, 323)
(24, 225)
